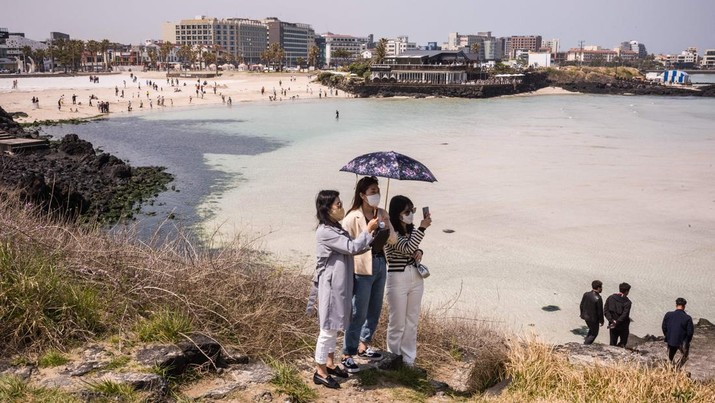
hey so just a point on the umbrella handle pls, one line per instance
(387, 192)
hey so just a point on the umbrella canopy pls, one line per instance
(389, 164)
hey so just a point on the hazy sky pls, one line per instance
(665, 26)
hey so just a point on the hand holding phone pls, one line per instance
(426, 218)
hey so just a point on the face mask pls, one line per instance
(337, 214)
(373, 200)
(407, 219)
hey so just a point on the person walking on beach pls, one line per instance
(617, 311)
(405, 285)
(592, 310)
(370, 273)
(678, 330)
(337, 114)
(333, 281)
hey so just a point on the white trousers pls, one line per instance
(404, 298)
(327, 340)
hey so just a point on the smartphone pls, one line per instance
(425, 212)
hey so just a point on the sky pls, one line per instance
(664, 26)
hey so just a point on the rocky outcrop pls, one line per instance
(531, 82)
(71, 179)
(649, 351)
(148, 370)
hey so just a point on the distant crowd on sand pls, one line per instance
(363, 255)
(200, 89)
(677, 325)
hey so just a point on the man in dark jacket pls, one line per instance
(678, 330)
(592, 310)
(618, 314)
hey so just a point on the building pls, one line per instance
(486, 46)
(708, 60)
(687, 59)
(12, 56)
(635, 46)
(432, 46)
(423, 67)
(352, 45)
(295, 38)
(551, 45)
(400, 45)
(242, 38)
(591, 55)
(539, 59)
(523, 43)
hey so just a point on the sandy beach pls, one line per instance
(239, 86)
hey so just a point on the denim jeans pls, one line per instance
(368, 292)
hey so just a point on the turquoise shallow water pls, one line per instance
(544, 193)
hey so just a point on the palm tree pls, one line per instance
(381, 51)
(185, 53)
(164, 51)
(341, 55)
(76, 48)
(475, 48)
(93, 48)
(39, 56)
(104, 47)
(313, 54)
(26, 52)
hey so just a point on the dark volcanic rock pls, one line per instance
(72, 180)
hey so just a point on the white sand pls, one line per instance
(240, 86)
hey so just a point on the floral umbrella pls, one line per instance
(390, 165)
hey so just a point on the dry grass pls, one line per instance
(62, 284)
(539, 374)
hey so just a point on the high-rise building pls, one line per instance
(522, 43)
(635, 46)
(399, 45)
(295, 38)
(243, 38)
(352, 45)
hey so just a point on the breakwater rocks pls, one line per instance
(530, 82)
(633, 87)
(70, 179)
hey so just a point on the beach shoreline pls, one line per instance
(239, 86)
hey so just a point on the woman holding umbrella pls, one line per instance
(334, 281)
(404, 283)
(370, 273)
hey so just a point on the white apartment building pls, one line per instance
(400, 45)
(552, 44)
(352, 44)
(708, 60)
(245, 39)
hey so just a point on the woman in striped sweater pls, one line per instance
(404, 284)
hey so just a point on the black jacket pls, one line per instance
(592, 307)
(678, 328)
(618, 310)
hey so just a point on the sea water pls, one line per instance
(536, 196)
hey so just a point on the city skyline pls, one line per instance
(606, 23)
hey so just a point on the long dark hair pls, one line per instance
(398, 204)
(323, 203)
(361, 187)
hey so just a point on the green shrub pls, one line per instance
(288, 382)
(15, 390)
(42, 304)
(164, 326)
(52, 358)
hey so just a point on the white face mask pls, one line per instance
(407, 219)
(373, 200)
